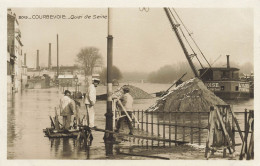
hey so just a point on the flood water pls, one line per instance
(28, 114)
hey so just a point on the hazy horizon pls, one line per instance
(143, 41)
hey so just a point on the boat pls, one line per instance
(225, 82)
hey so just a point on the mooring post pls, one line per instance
(109, 113)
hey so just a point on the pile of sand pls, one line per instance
(135, 92)
(191, 95)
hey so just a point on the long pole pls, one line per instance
(109, 113)
(57, 55)
(174, 26)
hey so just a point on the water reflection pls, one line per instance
(28, 114)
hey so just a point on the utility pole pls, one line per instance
(57, 55)
(109, 113)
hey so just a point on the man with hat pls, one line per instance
(67, 109)
(127, 101)
(90, 101)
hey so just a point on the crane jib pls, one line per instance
(174, 26)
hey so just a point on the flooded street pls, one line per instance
(28, 114)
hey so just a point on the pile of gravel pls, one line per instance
(135, 92)
(191, 95)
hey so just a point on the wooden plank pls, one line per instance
(237, 124)
(223, 128)
(52, 123)
(141, 155)
(121, 105)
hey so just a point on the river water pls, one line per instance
(28, 114)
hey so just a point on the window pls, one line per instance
(237, 88)
(222, 88)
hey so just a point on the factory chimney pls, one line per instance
(24, 59)
(49, 62)
(37, 61)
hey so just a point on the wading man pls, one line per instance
(90, 101)
(127, 101)
(67, 109)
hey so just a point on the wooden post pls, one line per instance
(176, 129)
(246, 132)
(233, 129)
(170, 114)
(158, 127)
(225, 139)
(133, 119)
(163, 128)
(142, 120)
(152, 125)
(146, 115)
(138, 115)
(183, 128)
(191, 128)
(199, 125)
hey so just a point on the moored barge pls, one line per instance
(225, 82)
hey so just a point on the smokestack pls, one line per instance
(49, 62)
(228, 65)
(57, 55)
(37, 61)
(24, 59)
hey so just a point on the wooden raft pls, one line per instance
(52, 133)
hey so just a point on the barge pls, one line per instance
(225, 82)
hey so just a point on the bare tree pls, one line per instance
(87, 59)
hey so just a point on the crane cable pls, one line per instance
(194, 53)
(191, 37)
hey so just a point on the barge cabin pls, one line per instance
(225, 82)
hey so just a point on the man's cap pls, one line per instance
(96, 80)
(126, 89)
(67, 91)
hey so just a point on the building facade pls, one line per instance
(16, 65)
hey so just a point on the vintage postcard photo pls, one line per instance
(129, 83)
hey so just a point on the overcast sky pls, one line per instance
(143, 41)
